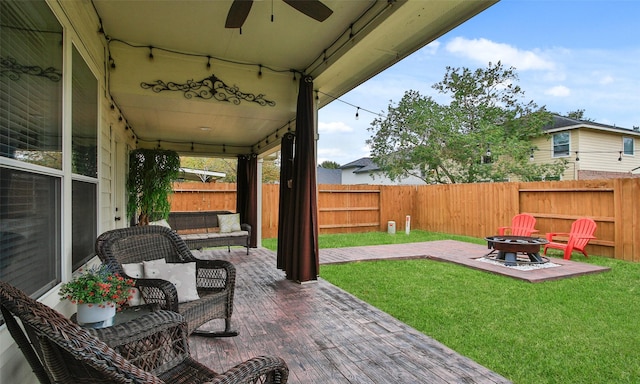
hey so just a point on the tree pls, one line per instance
(578, 114)
(483, 134)
(213, 164)
(270, 167)
(328, 164)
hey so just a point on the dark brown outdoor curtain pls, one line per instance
(301, 260)
(285, 212)
(247, 194)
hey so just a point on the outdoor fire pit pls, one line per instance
(509, 248)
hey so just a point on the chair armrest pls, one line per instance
(274, 368)
(215, 274)
(158, 291)
(551, 235)
(501, 230)
(245, 227)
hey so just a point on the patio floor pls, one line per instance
(325, 334)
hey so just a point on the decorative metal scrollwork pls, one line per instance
(209, 88)
(12, 69)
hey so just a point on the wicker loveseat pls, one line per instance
(201, 229)
(60, 351)
(214, 279)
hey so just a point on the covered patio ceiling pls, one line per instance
(162, 55)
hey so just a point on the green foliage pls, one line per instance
(578, 114)
(214, 164)
(483, 134)
(270, 167)
(577, 330)
(328, 164)
(151, 173)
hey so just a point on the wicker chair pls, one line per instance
(215, 278)
(60, 351)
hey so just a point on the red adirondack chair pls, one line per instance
(521, 225)
(582, 231)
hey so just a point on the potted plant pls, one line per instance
(151, 173)
(98, 293)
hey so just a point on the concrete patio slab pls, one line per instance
(457, 252)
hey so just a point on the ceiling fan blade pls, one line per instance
(312, 8)
(238, 13)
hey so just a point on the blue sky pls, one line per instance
(568, 55)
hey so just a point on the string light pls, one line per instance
(577, 158)
(260, 71)
(620, 156)
(531, 158)
(209, 57)
(358, 108)
(357, 113)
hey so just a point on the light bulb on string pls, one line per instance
(358, 113)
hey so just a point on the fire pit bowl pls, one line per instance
(509, 247)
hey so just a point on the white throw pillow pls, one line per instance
(229, 223)
(135, 270)
(162, 223)
(181, 275)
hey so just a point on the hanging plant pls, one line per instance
(151, 173)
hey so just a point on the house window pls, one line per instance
(30, 84)
(561, 143)
(627, 146)
(30, 251)
(30, 146)
(84, 160)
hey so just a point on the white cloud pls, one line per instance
(484, 51)
(558, 91)
(334, 127)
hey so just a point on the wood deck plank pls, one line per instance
(325, 334)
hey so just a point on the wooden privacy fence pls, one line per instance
(464, 209)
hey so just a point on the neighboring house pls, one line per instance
(329, 176)
(365, 171)
(593, 150)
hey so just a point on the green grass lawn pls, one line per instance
(576, 330)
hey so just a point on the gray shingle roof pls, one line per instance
(569, 123)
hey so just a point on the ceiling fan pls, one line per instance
(240, 10)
